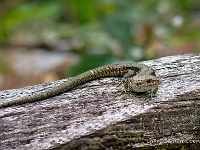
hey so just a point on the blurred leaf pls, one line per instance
(84, 10)
(184, 4)
(88, 62)
(27, 12)
(118, 28)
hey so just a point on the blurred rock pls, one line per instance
(36, 66)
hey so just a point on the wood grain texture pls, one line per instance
(96, 115)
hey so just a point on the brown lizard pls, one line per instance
(137, 78)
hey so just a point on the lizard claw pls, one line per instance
(122, 90)
(121, 81)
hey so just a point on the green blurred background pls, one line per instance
(90, 33)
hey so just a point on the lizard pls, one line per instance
(136, 77)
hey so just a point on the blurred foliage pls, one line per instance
(4, 63)
(90, 62)
(102, 31)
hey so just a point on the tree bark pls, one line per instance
(96, 115)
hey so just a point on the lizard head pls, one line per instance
(143, 83)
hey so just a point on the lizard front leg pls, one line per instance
(129, 74)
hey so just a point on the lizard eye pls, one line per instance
(148, 81)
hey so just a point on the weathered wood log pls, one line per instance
(96, 115)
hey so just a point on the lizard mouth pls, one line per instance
(135, 88)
